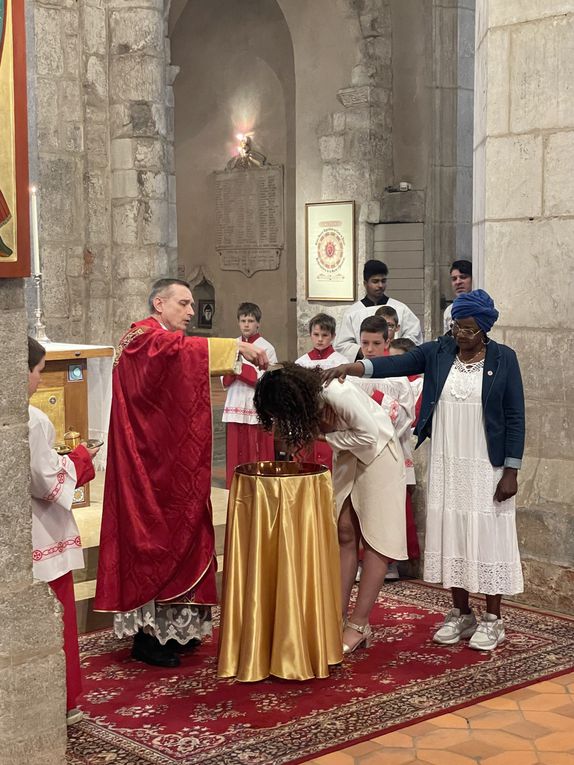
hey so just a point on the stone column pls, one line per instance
(356, 143)
(32, 673)
(140, 154)
(60, 136)
(449, 198)
(95, 261)
(523, 245)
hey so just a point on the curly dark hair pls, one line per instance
(289, 398)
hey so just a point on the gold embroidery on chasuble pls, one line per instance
(126, 340)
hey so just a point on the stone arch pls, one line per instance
(236, 74)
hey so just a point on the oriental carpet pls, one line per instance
(139, 715)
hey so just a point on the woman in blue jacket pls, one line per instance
(473, 405)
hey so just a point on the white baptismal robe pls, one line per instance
(399, 403)
(368, 466)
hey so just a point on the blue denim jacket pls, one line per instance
(502, 393)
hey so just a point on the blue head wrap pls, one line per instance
(477, 305)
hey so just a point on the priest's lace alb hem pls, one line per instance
(165, 621)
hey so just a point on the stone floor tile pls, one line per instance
(475, 749)
(443, 738)
(548, 686)
(564, 679)
(365, 747)
(397, 740)
(448, 721)
(512, 758)
(502, 740)
(419, 729)
(500, 702)
(468, 713)
(434, 757)
(560, 741)
(388, 757)
(335, 758)
(541, 702)
(556, 758)
(496, 719)
(567, 710)
(523, 693)
(551, 720)
(527, 729)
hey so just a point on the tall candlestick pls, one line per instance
(34, 231)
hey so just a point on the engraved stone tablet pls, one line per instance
(249, 218)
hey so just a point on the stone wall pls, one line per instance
(448, 233)
(407, 116)
(32, 674)
(355, 142)
(104, 107)
(523, 244)
(237, 76)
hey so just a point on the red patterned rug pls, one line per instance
(138, 715)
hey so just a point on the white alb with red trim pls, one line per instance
(239, 402)
(57, 547)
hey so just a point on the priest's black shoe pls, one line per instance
(147, 648)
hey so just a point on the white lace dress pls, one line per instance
(471, 540)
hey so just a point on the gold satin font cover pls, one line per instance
(281, 609)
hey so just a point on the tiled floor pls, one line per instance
(532, 726)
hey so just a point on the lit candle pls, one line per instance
(34, 231)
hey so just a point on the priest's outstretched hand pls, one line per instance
(252, 353)
(356, 369)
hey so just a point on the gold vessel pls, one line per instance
(72, 438)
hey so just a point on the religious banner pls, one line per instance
(14, 199)
(330, 251)
(249, 218)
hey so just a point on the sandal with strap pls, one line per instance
(365, 642)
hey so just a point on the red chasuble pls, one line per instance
(157, 538)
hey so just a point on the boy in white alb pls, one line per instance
(57, 548)
(322, 328)
(246, 440)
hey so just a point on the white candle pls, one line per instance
(34, 231)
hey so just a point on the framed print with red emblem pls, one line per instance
(330, 251)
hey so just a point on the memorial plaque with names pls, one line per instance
(249, 218)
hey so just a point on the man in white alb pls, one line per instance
(348, 339)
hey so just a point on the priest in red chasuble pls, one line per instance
(157, 555)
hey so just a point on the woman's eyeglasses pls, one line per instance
(456, 329)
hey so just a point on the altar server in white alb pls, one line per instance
(348, 340)
(57, 548)
(246, 440)
(322, 330)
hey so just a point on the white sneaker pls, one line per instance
(74, 716)
(489, 634)
(392, 572)
(455, 627)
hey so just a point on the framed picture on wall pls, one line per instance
(330, 251)
(205, 311)
(14, 193)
